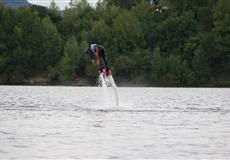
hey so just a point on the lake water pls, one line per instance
(82, 122)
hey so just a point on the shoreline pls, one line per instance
(87, 82)
(125, 86)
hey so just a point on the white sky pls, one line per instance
(60, 3)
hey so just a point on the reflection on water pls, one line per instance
(83, 122)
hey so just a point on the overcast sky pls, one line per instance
(60, 3)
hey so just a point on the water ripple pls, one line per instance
(79, 122)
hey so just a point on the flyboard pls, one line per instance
(106, 81)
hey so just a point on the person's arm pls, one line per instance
(92, 58)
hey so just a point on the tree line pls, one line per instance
(156, 42)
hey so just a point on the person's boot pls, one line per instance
(99, 71)
(108, 71)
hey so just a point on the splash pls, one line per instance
(106, 82)
(114, 86)
(101, 80)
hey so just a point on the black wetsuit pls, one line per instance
(98, 52)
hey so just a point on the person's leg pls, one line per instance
(98, 55)
(108, 70)
(102, 51)
(99, 63)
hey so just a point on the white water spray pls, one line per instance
(106, 82)
(102, 81)
(114, 86)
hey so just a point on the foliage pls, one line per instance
(70, 61)
(162, 42)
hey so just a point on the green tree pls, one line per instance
(221, 30)
(200, 65)
(42, 11)
(52, 43)
(127, 32)
(70, 62)
(158, 68)
(124, 66)
(124, 4)
(128, 4)
(189, 39)
(77, 20)
(54, 12)
(99, 33)
(171, 34)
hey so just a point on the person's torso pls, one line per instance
(94, 48)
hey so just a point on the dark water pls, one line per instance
(82, 122)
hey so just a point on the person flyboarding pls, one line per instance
(97, 53)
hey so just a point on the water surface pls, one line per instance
(82, 122)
